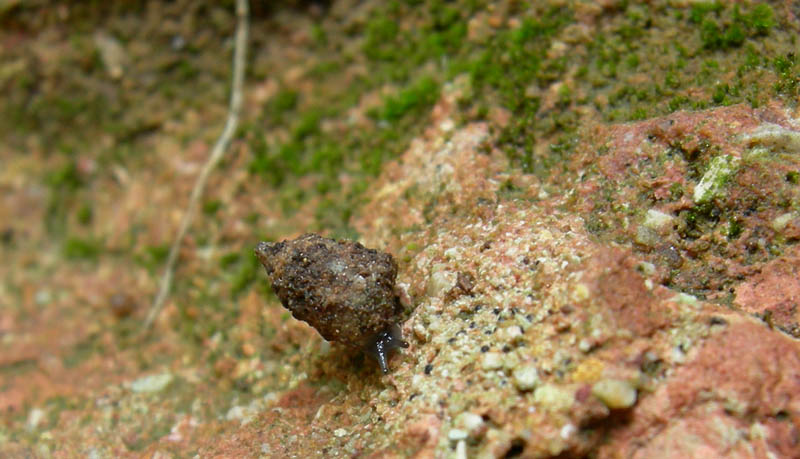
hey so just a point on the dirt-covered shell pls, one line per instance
(341, 288)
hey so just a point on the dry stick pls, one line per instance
(216, 154)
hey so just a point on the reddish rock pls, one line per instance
(622, 294)
(658, 164)
(737, 396)
(774, 293)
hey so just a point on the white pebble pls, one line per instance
(615, 393)
(657, 220)
(492, 361)
(152, 383)
(456, 434)
(441, 280)
(470, 422)
(526, 377)
(35, 418)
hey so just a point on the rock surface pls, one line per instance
(606, 290)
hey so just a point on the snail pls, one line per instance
(341, 288)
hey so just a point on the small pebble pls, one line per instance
(492, 361)
(421, 332)
(35, 417)
(615, 393)
(122, 305)
(43, 297)
(526, 377)
(657, 220)
(470, 422)
(237, 413)
(553, 398)
(441, 281)
(152, 383)
(567, 431)
(457, 434)
(780, 222)
(581, 292)
(511, 334)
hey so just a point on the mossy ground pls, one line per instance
(97, 166)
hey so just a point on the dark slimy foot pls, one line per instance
(383, 343)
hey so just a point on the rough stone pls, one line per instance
(152, 383)
(614, 393)
(526, 377)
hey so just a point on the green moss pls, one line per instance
(676, 191)
(734, 229)
(596, 224)
(632, 61)
(678, 66)
(446, 30)
(265, 163)
(672, 79)
(725, 94)
(439, 30)
(700, 10)
(308, 124)
(65, 178)
(760, 18)
(715, 36)
(327, 66)
(415, 98)
(65, 182)
(152, 257)
(510, 63)
(318, 35)
(678, 102)
(327, 156)
(380, 35)
(211, 207)
(285, 100)
(783, 64)
(721, 28)
(80, 352)
(82, 249)
(229, 259)
(85, 214)
(334, 215)
(513, 59)
(788, 74)
(327, 160)
(158, 253)
(246, 272)
(640, 113)
(399, 39)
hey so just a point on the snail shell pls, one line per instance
(341, 288)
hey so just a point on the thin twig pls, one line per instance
(217, 152)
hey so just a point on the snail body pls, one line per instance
(341, 288)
